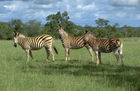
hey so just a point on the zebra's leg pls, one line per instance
(91, 53)
(27, 54)
(99, 57)
(51, 51)
(120, 53)
(117, 56)
(48, 54)
(66, 54)
(31, 54)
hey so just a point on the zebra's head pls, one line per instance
(61, 31)
(16, 35)
(88, 36)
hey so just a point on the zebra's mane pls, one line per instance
(90, 35)
(22, 36)
(65, 33)
(62, 32)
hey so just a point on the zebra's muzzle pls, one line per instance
(15, 44)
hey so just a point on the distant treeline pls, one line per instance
(33, 27)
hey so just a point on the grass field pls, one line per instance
(78, 74)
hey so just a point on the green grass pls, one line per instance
(78, 74)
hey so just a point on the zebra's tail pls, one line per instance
(119, 43)
(55, 49)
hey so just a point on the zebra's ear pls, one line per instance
(14, 33)
(17, 33)
(59, 26)
(86, 31)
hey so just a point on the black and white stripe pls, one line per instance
(70, 42)
(34, 43)
(104, 45)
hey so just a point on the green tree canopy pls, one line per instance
(16, 25)
(54, 20)
(32, 28)
(101, 22)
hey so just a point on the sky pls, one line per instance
(81, 12)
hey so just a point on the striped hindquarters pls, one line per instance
(40, 41)
(109, 45)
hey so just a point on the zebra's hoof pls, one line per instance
(122, 65)
(97, 64)
(46, 60)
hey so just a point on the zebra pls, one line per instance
(104, 45)
(35, 43)
(70, 42)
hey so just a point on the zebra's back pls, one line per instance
(40, 41)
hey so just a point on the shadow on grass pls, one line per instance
(117, 75)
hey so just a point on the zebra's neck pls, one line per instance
(20, 40)
(64, 36)
(91, 38)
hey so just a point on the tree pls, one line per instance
(5, 31)
(116, 25)
(101, 22)
(113, 31)
(101, 32)
(128, 31)
(137, 32)
(54, 20)
(32, 28)
(16, 25)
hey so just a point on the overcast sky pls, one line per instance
(81, 12)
